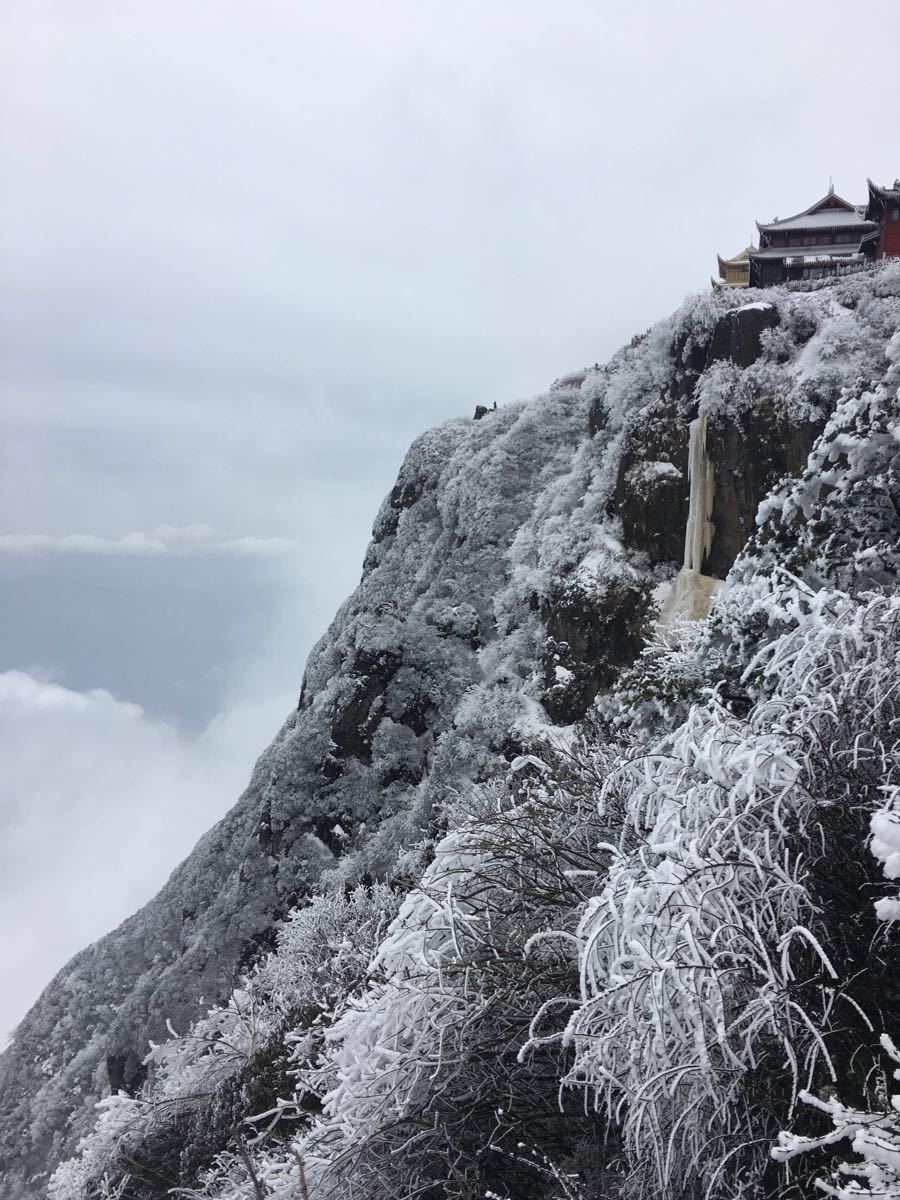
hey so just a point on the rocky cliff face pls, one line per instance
(514, 572)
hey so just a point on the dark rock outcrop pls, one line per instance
(403, 495)
(353, 722)
(749, 456)
(749, 452)
(652, 489)
(589, 640)
(737, 336)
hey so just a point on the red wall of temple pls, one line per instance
(889, 239)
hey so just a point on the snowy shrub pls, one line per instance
(686, 963)
(885, 846)
(872, 1130)
(840, 522)
(656, 692)
(694, 951)
(203, 1083)
(121, 1124)
(429, 1086)
(778, 343)
(874, 1136)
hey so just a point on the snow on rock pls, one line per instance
(648, 473)
(756, 306)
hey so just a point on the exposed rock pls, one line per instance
(598, 416)
(589, 641)
(403, 495)
(651, 494)
(353, 721)
(737, 335)
(749, 456)
(125, 1072)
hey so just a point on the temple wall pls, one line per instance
(889, 241)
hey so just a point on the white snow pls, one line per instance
(645, 474)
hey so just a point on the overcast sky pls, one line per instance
(249, 250)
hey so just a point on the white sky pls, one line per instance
(249, 251)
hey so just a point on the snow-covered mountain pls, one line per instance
(553, 885)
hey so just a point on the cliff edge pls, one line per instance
(521, 576)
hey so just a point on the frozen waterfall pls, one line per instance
(691, 591)
(698, 534)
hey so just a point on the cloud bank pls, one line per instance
(165, 539)
(98, 803)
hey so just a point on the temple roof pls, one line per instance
(741, 257)
(831, 212)
(884, 193)
(880, 197)
(842, 250)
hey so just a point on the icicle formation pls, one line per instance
(698, 534)
(693, 592)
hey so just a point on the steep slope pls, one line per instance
(513, 576)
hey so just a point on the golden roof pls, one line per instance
(738, 260)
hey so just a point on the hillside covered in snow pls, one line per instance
(573, 874)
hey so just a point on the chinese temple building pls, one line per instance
(884, 209)
(830, 234)
(734, 272)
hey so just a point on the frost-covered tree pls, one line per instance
(238, 1060)
(431, 1090)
